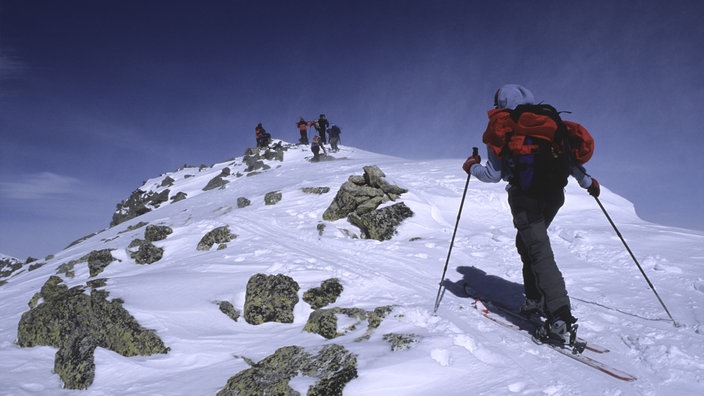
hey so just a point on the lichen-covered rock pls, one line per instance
(167, 182)
(76, 323)
(272, 198)
(147, 253)
(348, 198)
(243, 202)
(316, 190)
(8, 266)
(270, 298)
(98, 260)
(137, 204)
(216, 182)
(220, 235)
(180, 196)
(75, 363)
(326, 294)
(381, 224)
(157, 233)
(228, 309)
(358, 200)
(324, 321)
(401, 342)
(333, 367)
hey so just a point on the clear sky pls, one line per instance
(98, 96)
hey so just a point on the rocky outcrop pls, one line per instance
(332, 366)
(358, 200)
(254, 157)
(76, 323)
(138, 204)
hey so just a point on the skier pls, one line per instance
(533, 208)
(321, 125)
(334, 133)
(303, 129)
(315, 147)
(262, 136)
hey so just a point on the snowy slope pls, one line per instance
(459, 351)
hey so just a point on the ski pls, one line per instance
(529, 323)
(563, 349)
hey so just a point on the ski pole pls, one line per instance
(475, 151)
(636, 261)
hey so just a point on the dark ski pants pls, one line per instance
(532, 214)
(321, 133)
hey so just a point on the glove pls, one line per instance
(474, 159)
(594, 189)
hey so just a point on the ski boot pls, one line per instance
(531, 308)
(560, 333)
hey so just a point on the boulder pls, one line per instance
(270, 298)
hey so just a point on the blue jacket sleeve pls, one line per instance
(489, 173)
(580, 174)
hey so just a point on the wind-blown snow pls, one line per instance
(459, 352)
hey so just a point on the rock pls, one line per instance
(326, 294)
(98, 260)
(157, 233)
(243, 202)
(358, 200)
(381, 224)
(333, 366)
(180, 196)
(401, 342)
(272, 198)
(220, 235)
(270, 298)
(216, 182)
(167, 182)
(76, 323)
(316, 190)
(228, 309)
(138, 204)
(324, 321)
(147, 252)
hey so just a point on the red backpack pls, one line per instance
(537, 145)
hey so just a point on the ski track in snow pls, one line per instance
(458, 351)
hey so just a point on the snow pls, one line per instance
(459, 352)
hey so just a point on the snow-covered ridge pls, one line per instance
(457, 352)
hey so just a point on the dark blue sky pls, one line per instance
(97, 96)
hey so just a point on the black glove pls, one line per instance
(474, 159)
(594, 189)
